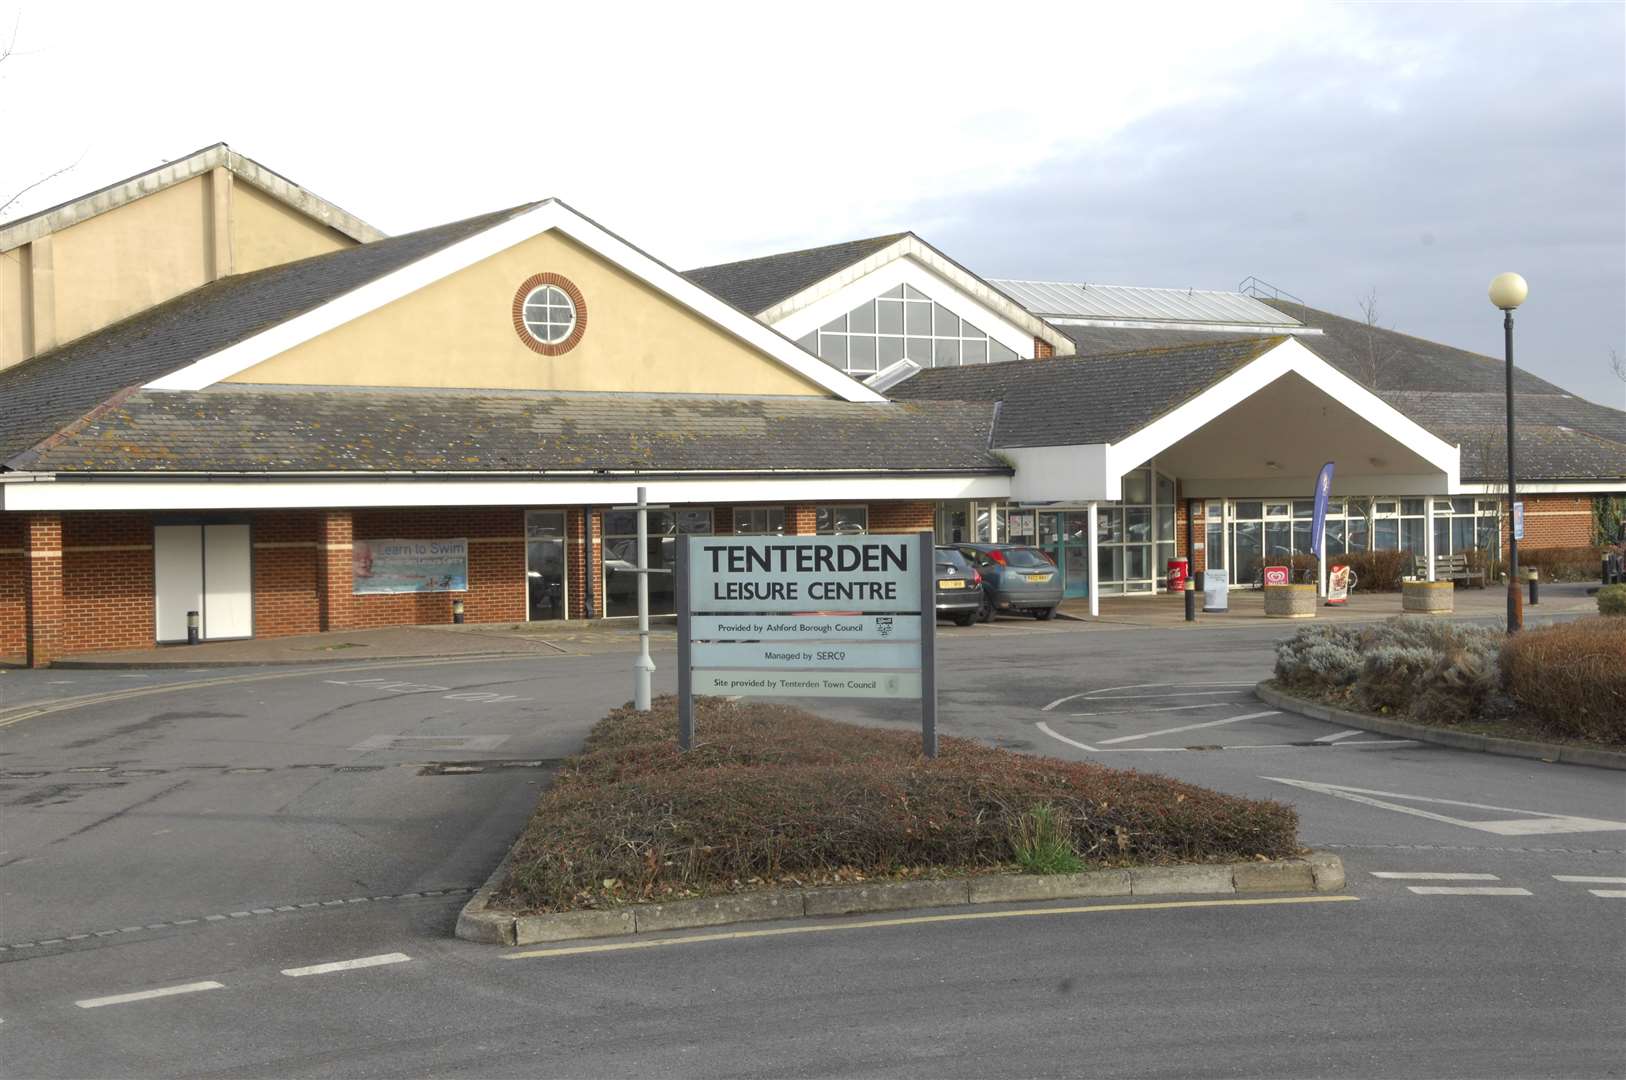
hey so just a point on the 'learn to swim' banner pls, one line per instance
(410, 566)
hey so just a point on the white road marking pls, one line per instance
(1467, 890)
(1189, 727)
(1044, 727)
(1138, 686)
(1335, 736)
(1609, 894)
(348, 965)
(1183, 708)
(1159, 697)
(1583, 879)
(143, 995)
(1538, 823)
(1406, 875)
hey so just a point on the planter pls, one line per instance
(1290, 601)
(1427, 597)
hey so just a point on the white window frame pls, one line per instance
(740, 511)
(553, 298)
(840, 506)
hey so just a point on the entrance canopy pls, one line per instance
(1251, 417)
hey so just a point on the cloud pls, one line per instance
(1477, 140)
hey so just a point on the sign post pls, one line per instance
(807, 616)
(643, 668)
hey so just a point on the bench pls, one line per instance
(1451, 568)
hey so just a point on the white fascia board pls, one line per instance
(1286, 486)
(551, 214)
(65, 494)
(970, 298)
(1547, 487)
(1235, 388)
(1062, 473)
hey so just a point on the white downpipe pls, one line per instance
(1095, 562)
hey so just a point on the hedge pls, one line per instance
(1572, 677)
(775, 795)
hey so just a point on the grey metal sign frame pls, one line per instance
(925, 556)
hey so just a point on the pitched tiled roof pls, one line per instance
(755, 285)
(41, 395)
(1558, 437)
(234, 428)
(1106, 340)
(1079, 400)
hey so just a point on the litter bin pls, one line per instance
(1179, 570)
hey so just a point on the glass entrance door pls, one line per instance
(1075, 554)
(545, 564)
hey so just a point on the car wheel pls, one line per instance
(985, 613)
(1043, 613)
(965, 618)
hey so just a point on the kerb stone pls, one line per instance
(1007, 888)
(886, 896)
(569, 925)
(1279, 876)
(1177, 880)
(718, 911)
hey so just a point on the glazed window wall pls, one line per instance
(621, 557)
(1135, 537)
(840, 520)
(903, 323)
(759, 520)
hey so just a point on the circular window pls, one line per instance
(549, 314)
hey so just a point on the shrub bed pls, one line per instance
(774, 795)
(1612, 600)
(1566, 680)
(1563, 564)
(1572, 677)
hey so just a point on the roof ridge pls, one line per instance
(890, 237)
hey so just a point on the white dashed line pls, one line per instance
(143, 995)
(1189, 727)
(1335, 736)
(1609, 894)
(347, 965)
(1467, 890)
(1408, 875)
(1582, 879)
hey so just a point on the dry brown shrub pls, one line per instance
(773, 794)
(1572, 677)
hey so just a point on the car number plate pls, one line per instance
(1038, 577)
(951, 584)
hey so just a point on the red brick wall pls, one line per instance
(107, 581)
(1552, 521)
(576, 563)
(496, 590)
(13, 587)
(42, 550)
(901, 517)
(801, 519)
(1042, 349)
(286, 599)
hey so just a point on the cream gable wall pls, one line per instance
(458, 332)
(267, 232)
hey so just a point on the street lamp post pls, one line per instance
(1507, 291)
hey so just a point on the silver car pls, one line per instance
(1015, 578)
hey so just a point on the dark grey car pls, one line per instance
(1015, 577)
(959, 587)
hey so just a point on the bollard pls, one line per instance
(1532, 576)
(457, 611)
(1191, 600)
(191, 628)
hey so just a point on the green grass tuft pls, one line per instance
(1042, 844)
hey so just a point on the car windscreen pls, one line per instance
(950, 560)
(1025, 558)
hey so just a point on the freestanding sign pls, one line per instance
(807, 616)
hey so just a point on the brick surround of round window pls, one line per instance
(566, 286)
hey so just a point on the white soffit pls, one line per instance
(791, 316)
(546, 215)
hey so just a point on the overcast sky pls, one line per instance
(1330, 150)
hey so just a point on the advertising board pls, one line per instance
(409, 566)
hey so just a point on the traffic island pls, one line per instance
(780, 814)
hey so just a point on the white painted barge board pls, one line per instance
(143, 995)
(1433, 876)
(1583, 879)
(348, 965)
(1467, 890)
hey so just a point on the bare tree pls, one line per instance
(1375, 353)
(8, 49)
(1617, 364)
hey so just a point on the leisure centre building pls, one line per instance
(221, 394)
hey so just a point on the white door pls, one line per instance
(177, 557)
(228, 582)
